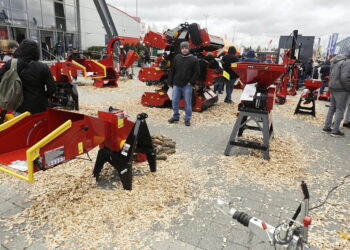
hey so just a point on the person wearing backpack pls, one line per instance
(37, 82)
(339, 85)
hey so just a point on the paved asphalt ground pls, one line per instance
(207, 228)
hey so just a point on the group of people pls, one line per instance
(185, 71)
(37, 82)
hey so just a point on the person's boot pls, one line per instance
(172, 120)
(188, 123)
(346, 124)
(337, 134)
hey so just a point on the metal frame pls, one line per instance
(241, 125)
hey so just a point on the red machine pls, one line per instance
(264, 75)
(66, 94)
(200, 43)
(47, 139)
(116, 61)
(289, 80)
(256, 104)
(115, 68)
(308, 96)
(326, 95)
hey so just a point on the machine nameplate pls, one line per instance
(54, 156)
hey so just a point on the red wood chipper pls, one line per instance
(289, 80)
(66, 94)
(116, 60)
(256, 104)
(200, 43)
(47, 139)
(115, 68)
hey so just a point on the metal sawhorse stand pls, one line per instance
(300, 109)
(259, 116)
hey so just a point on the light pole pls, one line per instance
(234, 33)
(206, 20)
(137, 14)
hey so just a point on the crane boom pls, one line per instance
(106, 18)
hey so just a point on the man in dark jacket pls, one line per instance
(227, 61)
(251, 57)
(182, 76)
(339, 85)
(308, 70)
(37, 82)
(325, 71)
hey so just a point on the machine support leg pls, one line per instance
(266, 138)
(238, 127)
(138, 141)
(241, 125)
(300, 109)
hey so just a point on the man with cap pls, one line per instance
(182, 76)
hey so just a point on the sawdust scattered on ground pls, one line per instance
(76, 213)
(332, 220)
(289, 107)
(288, 163)
(221, 113)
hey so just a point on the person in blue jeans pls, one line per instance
(227, 61)
(182, 76)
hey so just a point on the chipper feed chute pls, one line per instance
(47, 139)
(256, 105)
(264, 74)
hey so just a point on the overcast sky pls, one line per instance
(247, 22)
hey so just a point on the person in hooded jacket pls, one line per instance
(182, 76)
(250, 57)
(325, 71)
(339, 85)
(37, 82)
(227, 61)
(308, 69)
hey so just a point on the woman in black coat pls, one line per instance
(37, 82)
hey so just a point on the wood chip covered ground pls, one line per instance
(73, 211)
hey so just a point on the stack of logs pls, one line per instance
(164, 146)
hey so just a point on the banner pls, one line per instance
(332, 44)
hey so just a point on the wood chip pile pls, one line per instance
(74, 212)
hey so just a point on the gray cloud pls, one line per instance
(251, 21)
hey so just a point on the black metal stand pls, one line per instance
(138, 141)
(261, 118)
(300, 109)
